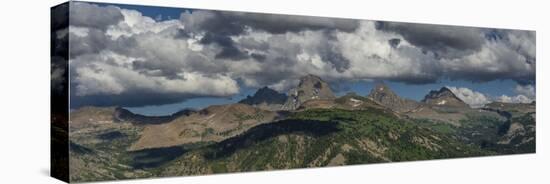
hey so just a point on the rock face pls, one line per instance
(310, 87)
(266, 98)
(386, 97)
(442, 105)
(445, 98)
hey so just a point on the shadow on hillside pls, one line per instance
(266, 131)
(151, 158)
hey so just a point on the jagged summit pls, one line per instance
(443, 97)
(382, 94)
(381, 91)
(310, 87)
(265, 95)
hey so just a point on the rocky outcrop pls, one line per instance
(310, 87)
(444, 98)
(266, 98)
(386, 97)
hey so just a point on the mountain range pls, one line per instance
(307, 127)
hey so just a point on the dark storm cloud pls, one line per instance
(93, 43)
(447, 41)
(330, 53)
(124, 58)
(219, 26)
(229, 50)
(339, 62)
(152, 69)
(232, 53)
(94, 16)
(59, 51)
(258, 57)
(335, 58)
(136, 99)
(515, 56)
(394, 42)
(59, 30)
(414, 79)
(278, 24)
(59, 17)
(234, 23)
(524, 43)
(469, 53)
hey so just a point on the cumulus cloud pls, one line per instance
(514, 99)
(91, 15)
(524, 94)
(526, 90)
(111, 74)
(473, 98)
(138, 61)
(497, 60)
(217, 27)
(118, 55)
(474, 54)
(445, 41)
(234, 23)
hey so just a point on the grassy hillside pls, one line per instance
(322, 137)
(304, 139)
(503, 136)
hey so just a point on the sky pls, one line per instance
(156, 60)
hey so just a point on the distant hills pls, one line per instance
(307, 127)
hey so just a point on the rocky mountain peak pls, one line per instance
(309, 79)
(265, 95)
(382, 94)
(311, 87)
(443, 97)
(381, 91)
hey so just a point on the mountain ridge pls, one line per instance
(320, 129)
(266, 98)
(310, 87)
(385, 96)
(443, 97)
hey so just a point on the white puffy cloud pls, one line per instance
(495, 60)
(526, 90)
(208, 53)
(141, 58)
(525, 94)
(91, 15)
(514, 99)
(135, 23)
(111, 73)
(372, 57)
(473, 98)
